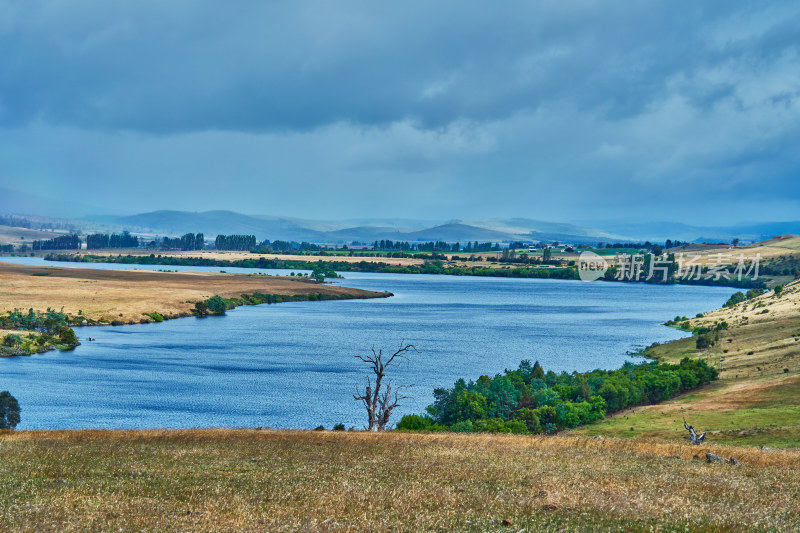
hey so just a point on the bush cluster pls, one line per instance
(739, 297)
(50, 322)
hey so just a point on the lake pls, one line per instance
(292, 365)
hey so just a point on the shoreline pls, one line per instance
(75, 297)
(438, 267)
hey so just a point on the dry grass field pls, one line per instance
(763, 336)
(258, 480)
(17, 236)
(489, 259)
(125, 294)
(215, 255)
(776, 246)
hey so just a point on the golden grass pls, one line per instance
(17, 236)
(756, 402)
(763, 337)
(777, 246)
(251, 480)
(216, 255)
(125, 294)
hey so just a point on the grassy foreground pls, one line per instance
(252, 480)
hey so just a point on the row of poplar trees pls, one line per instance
(235, 242)
(189, 241)
(104, 240)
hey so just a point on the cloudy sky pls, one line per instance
(557, 110)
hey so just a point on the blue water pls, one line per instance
(292, 365)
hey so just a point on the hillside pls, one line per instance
(212, 223)
(287, 228)
(757, 400)
(659, 231)
(19, 236)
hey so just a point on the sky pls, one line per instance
(554, 110)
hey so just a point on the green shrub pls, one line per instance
(530, 417)
(9, 411)
(462, 427)
(200, 308)
(68, 335)
(736, 298)
(498, 425)
(702, 342)
(414, 423)
(753, 293)
(12, 340)
(217, 305)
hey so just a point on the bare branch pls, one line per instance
(379, 401)
(693, 437)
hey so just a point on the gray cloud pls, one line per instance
(447, 107)
(252, 66)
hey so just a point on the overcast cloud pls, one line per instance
(554, 110)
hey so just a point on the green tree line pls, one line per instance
(189, 241)
(64, 242)
(104, 240)
(530, 400)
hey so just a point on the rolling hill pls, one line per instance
(212, 223)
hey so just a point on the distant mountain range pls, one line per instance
(212, 223)
(660, 231)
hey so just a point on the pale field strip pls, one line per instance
(215, 255)
(126, 294)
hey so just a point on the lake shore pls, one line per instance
(131, 296)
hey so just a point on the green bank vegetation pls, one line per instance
(39, 331)
(550, 269)
(326, 268)
(217, 305)
(530, 400)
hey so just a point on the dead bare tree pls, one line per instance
(693, 437)
(380, 403)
